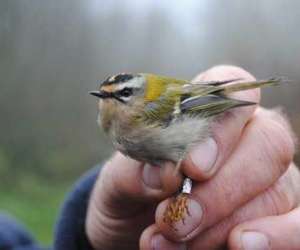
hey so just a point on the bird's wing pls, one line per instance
(210, 98)
(200, 98)
(185, 98)
(210, 105)
(215, 87)
(159, 111)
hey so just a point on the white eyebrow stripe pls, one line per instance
(125, 99)
(134, 83)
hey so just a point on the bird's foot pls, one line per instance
(177, 209)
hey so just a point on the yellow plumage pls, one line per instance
(156, 85)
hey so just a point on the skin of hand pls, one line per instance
(245, 181)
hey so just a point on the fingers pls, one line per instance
(264, 142)
(280, 198)
(124, 182)
(205, 159)
(274, 232)
(152, 239)
(123, 201)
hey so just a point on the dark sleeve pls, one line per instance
(70, 229)
(14, 236)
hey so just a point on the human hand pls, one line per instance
(248, 173)
(127, 192)
(124, 200)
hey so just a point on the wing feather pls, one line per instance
(199, 98)
(210, 105)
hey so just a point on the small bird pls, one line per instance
(154, 118)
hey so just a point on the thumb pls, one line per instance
(125, 195)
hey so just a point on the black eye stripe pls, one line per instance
(126, 92)
(123, 93)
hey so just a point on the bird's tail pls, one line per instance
(250, 85)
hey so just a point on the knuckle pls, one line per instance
(281, 196)
(280, 119)
(277, 143)
(285, 145)
(278, 114)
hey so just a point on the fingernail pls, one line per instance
(151, 176)
(255, 241)
(191, 221)
(159, 242)
(204, 155)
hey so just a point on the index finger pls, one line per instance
(206, 158)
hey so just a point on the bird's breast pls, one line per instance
(156, 144)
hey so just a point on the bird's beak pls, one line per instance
(99, 94)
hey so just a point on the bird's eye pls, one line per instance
(126, 92)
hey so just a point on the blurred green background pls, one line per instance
(53, 52)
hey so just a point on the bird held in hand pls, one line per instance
(154, 118)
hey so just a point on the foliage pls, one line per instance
(34, 202)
